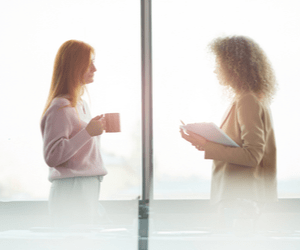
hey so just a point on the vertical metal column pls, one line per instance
(147, 133)
(147, 99)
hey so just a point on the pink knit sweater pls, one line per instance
(69, 150)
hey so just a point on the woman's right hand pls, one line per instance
(96, 126)
(196, 140)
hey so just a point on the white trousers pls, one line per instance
(75, 201)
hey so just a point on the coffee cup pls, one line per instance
(112, 122)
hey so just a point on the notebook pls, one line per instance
(210, 132)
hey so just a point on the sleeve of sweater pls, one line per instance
(59, 141)
(249, 115)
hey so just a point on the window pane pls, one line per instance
(33, 33)
(185, 87)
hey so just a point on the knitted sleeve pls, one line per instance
(62, 135)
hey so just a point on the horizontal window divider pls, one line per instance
(285, 205)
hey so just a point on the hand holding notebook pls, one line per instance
(210, 132)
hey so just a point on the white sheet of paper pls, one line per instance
(210, 132)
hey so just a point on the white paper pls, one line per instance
(210, 132)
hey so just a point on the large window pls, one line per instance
(185, 87)
(30, 38)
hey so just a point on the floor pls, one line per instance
(125, 238)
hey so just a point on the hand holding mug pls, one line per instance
(96, 126)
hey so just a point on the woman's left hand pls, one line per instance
(196, 140)
(96, 126)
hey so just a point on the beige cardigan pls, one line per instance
(249, 171)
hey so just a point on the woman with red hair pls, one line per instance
(71, 138)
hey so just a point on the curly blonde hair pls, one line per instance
(244, 67)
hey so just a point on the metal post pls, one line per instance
(147, 100)
(147, 133)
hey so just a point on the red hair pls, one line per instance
(71, 62)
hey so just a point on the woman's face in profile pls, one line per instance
(89, 74)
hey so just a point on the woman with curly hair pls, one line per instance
(248, 172)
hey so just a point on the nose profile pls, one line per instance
(94, 68)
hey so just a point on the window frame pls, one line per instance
(18, 209)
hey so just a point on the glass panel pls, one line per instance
(185, 87)
(33, 33)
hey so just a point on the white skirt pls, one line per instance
(75, 201)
